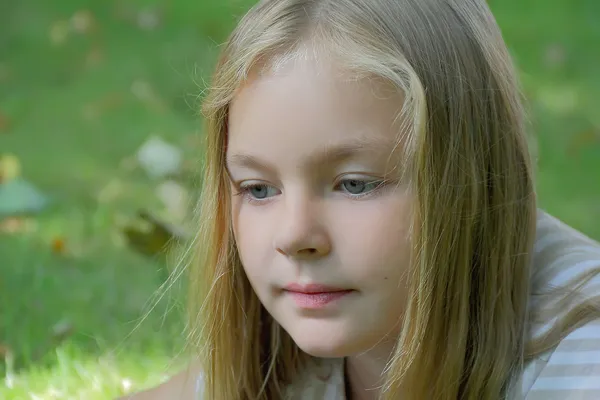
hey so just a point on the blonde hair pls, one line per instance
(469, 166)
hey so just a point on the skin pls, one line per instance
(317, 200)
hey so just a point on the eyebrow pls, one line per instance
(333, 153)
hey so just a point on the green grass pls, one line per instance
(72, 149)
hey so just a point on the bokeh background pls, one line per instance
(99, 131)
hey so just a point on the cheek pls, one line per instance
(377, 233)
(252, 235)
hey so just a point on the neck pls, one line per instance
(364, 372)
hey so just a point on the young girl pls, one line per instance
(368, 223)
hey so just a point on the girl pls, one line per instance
(368, 224)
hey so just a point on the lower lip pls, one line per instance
(317, 300)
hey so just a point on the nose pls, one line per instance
(302, 232)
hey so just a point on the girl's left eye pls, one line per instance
(357, 187)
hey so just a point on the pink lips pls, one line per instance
(315, 296)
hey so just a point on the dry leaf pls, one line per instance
(58, 245)
(151, 236)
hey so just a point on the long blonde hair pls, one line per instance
(467, 158)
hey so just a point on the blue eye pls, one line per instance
(258, 191)
(358, 187)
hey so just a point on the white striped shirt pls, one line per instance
(570, 371)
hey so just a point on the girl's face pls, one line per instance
(322, 236)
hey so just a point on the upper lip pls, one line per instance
(313, 288)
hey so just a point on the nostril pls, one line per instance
(308, 251)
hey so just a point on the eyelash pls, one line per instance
(244, 191)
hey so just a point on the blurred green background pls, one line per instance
(91, 90)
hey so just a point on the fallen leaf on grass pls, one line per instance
(58, 245)
(151, 236)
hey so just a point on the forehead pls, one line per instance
(305, 104)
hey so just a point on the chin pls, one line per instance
(321, 351)
(328, 337)
(321, 345)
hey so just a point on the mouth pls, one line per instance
(313, 288)
(315, 296)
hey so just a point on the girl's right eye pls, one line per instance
(258, 191)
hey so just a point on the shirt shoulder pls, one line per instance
(565, 272)
(566, 266)
(571, 371)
